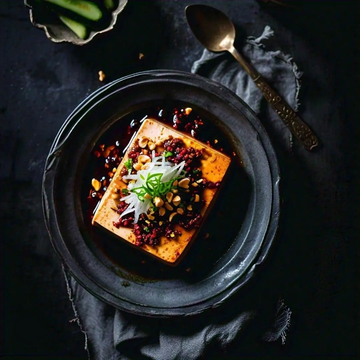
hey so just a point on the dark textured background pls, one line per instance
(41, 82)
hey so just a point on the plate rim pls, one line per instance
(273, 220)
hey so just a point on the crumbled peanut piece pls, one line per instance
(188, 110)
(169, 196)
(144, 159)
(141, 55)
(162, 211)
(101, 75)
(172, 216)
(176, 200)
(168, 206)
(147, 196)
(197, 197)
(137, 166)
(158, 201)
(96, 184)
(143, 142)
(189, 207)
(180, 211)
(184, 183)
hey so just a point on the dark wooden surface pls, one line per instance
(41, 82)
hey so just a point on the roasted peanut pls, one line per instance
(169, 196)
(168, 206)
(172, 216)
(188, 110)
(176, 200)
(143, 142)
(144, 159)
(180, 211)
(137, 166)
(96, 184)
(184, 183)
(158, 202)
(162, 211)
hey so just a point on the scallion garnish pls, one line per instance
(154, 186)
(128, 164)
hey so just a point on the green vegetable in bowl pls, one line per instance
(83, 8)
(81, 16)
(79, 29)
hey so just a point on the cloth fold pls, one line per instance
(111, 334)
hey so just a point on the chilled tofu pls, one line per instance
(214, 166)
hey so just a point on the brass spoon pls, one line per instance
(216, 32)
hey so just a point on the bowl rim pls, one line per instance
(275, 208)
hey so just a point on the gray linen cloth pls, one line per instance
(247, 321)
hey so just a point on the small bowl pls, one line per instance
(58, 32)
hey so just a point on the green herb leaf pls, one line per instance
(168, 153)
(128, 164)
(146, 229)
(125, 191)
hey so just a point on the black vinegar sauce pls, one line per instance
(107, 155)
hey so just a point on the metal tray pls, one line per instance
(114, 272)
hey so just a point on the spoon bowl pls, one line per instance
(211, 27)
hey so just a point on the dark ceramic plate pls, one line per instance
(219, 263)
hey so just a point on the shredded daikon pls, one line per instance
(158, 169)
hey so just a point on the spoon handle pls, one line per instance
(297, 127)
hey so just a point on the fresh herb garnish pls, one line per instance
(168, 153)
(154, 186)
(125, 191)
(128, 164)
(146, 229)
